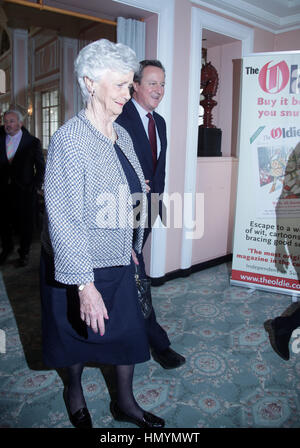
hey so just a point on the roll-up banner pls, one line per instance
(266, 251)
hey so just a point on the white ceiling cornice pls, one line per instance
(252, 15)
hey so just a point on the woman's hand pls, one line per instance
(92, 308)
(147, 186)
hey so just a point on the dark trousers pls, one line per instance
(18, 217)
(157, 336)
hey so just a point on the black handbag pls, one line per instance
(144, 293)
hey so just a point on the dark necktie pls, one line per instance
(152, 139)
(10, 150)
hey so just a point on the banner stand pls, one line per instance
(266, 247)
(295, 295)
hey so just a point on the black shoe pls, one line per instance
(81, 418)
(279, 340)
(168, 359)
(149, 420)
(5, 253)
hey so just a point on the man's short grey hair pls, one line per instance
(97, 57)
(143, 64)
(146, 63)
(14, 111)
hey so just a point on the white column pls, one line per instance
(192, 138)
(19, 73)
(68, 84)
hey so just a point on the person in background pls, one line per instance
(280, 328)
(22, 169)
(90, 307)
(148, 132)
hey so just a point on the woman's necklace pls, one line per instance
(109, 133)
(113, 136)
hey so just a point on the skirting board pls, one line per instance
(158, 281)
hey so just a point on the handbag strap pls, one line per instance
(136, 271)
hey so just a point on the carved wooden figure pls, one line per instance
(209, 84)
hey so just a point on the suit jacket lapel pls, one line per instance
(162, 139)
(143, 147)
(20, 146)
(19, 149)
(132, 158)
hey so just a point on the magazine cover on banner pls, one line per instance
(266, 251)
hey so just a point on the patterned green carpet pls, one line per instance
(232, 377)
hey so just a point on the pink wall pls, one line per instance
(222, 57)
(287, 41)
(229, 52)
(267, 41)
(217, 180)
(151, 37)
(263, 41)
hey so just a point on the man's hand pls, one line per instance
(134, 257)
(147, 186)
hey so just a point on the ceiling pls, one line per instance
(276, 16)
(281, 8)
(107, 9)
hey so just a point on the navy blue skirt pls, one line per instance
(67, 340)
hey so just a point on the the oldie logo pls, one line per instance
(274, 78)
(276, 133)
(292, 131)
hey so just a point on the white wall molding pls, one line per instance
(201, 19)
(192, 130)
(253, 15)
(227, 27)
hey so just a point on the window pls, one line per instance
(50, 106)
(4, 107)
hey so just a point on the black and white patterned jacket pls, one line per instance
(88, 204)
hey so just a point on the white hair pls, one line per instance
(16, 112)
(97, 57)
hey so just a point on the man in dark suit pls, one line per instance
(148, 132)
(22, 169)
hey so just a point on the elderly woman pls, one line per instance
(90, 308)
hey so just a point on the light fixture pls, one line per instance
(30, 110)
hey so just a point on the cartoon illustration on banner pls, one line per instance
(267, 227)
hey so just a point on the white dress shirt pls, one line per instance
(15, 142)
(145, 120)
